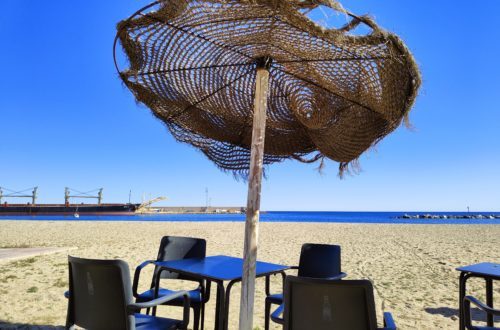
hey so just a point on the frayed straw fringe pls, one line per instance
(332, 94)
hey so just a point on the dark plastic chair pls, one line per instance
(316, 261)
(320, 304)
(100, 297)
(175, 248)
(467, 313)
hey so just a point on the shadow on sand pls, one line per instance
(21, 326)
(477, 314)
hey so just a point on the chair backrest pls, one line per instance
(99, 290)
(175, 248)
(328, 304)
(319, 260)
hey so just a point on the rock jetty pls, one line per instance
(449, 216)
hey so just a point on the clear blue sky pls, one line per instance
(66, 120)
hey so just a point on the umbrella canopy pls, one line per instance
(331, 93)
(254, 82)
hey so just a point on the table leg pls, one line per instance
(268, 285)
(220, 307)
(206, 297)
(226, 307)
(461, 296)
(489, 299)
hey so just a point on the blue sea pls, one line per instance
(279, 216)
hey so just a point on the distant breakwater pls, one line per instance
(449, 216)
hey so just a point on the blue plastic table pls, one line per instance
(219, 269)
(488, 271)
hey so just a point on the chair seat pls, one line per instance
(275, 298)
(194, 296)
(148, 322)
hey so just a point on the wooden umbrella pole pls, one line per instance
(253, 199)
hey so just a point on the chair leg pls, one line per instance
(202, 316)
(196, 318)
(147, 311)
(267, 312)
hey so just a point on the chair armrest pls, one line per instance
(134, 307)
(268, 282)
(137, 274)
(469, 299)
(337, 277)
(467, 310)
(276, 315)
(66, 294)
(389, 323)
(294, 267)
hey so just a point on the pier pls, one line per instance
(194, 209)
(449, 216)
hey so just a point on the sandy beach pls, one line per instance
(411, 266)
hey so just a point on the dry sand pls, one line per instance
(411, 266)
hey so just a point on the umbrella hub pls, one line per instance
(264, 62)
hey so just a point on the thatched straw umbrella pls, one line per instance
(255, 82)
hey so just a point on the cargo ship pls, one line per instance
(67, 208)
(71, 209)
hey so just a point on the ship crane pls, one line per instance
(80, 194)
(19, 194)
